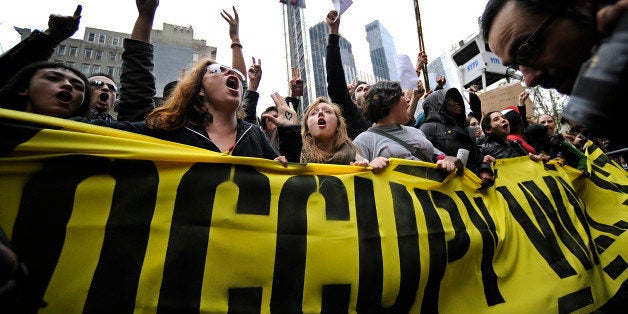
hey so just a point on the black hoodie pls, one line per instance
(449, 133)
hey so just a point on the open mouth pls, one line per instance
(64, 96)
(322, 122)
(233, 82)
(104, 96)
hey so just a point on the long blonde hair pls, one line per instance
(310, 151)
(184, 105)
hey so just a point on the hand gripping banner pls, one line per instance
(112, 222)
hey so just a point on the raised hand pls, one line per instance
(146, 7)
(61, 27)
(285, 113)
(234, 24)
(255, 74)
(333, 20)
(421, 61)
(523, 97)
(440, 81)
(420, 89)
(296, 83)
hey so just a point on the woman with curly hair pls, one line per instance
(387, 107)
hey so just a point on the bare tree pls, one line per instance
(548, 101)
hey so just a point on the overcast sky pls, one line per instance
(445, 22)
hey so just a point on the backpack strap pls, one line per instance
(415, 151)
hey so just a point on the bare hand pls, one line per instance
(420, 89)
(255, 74)
(62, 27)
(146, 7)
(234, 22)
(534, 157)
(333, 20)
(296, 83)
(523, 96)
(379, 164)
(285, 113)
(283, 160)
(440, 81)
(455, 162)
(608, 16)
(421, 61)
(488, 159)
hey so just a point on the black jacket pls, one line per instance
(449, 133)
(250, 140)
(498, 149)
(338, 92)
(36, 47)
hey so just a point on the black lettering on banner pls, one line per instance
(13, 133)
(370, 248)
(336, 201)
(290, 254)
(438, 253)
(578, 210)
(254, 196)
(602, 242)
(423, 172)
(336, 299)
(479, 202)
(607, 185)
(489, 243)
(575, 301)
(335, 296)
(45, 208)
(408, 242)
(189, 235)
(616, 267)
(245, 300)
(564, 227)
(543, 240)
(549, 167)
(115, 281)
(459, 245)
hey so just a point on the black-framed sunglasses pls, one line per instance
(111, 87)
(529, 50)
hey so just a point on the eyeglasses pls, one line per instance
(216, 68)
(529, 50)
(111, 87)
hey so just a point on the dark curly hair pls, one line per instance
(380, 98)
(11, 99)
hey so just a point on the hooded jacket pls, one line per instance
(449, 133)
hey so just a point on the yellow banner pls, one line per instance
(109, 221)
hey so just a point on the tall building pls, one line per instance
(444, 66)
(294, 27)
(382, 50)
(100, 51)
(318, 44)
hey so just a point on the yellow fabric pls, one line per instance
(311, 238)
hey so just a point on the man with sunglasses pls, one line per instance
(549, 41)
(103, 96)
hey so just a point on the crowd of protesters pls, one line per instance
(213, 106)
